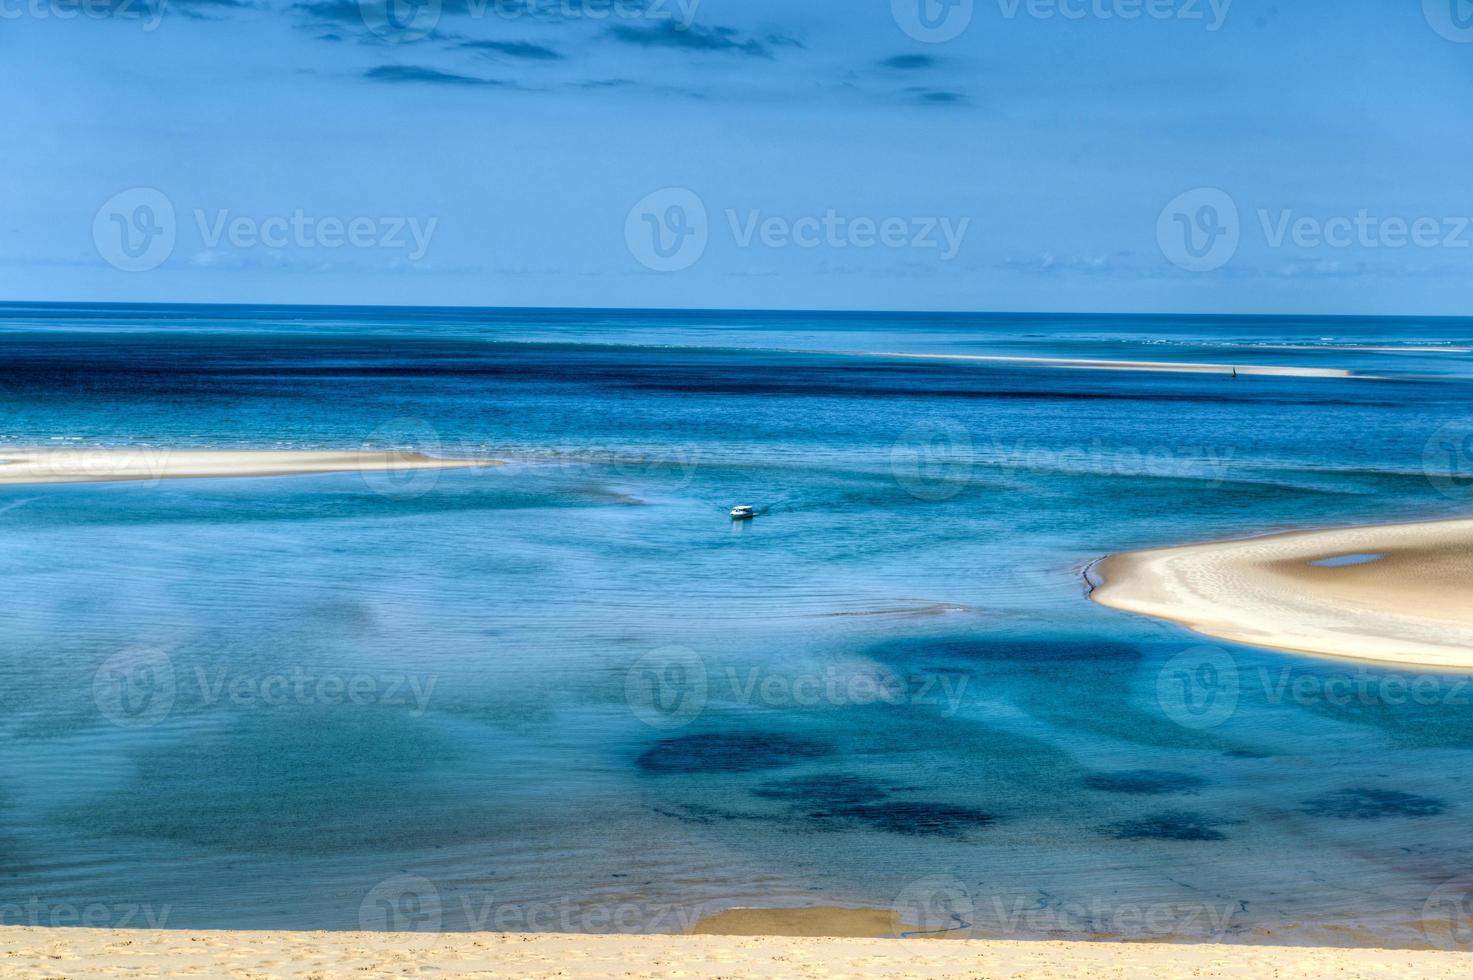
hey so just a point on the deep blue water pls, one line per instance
(570, 693)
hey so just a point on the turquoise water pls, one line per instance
(570, 693)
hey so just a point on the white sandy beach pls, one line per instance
(31, 952)
(25, 466)
(1169, 367)
(1402, 598)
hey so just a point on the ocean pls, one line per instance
(570, 693)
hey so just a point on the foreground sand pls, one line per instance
(1410, 605)
(23, 466)
(34, 953)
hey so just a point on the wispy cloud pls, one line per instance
(936, 96)
(695, 38)
(910, 62)
(515, 49)
(1048, 264)
(340, 11)
(420, 74)
(207, 9)
(628, 84)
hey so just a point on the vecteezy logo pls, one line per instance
(1199, 688)
(940, 904)
(404, 903)
(400, 21)
(933, 460)
(402, 474)
(1453, 19)
(135, 688)
(667, 230)
(135, 230)
(1447, 915)
(932, 21)
(1199, 230)
(1447, 460)
(667, 688)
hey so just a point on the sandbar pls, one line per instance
(1394, 593)
(1170, 367)
(86, 465)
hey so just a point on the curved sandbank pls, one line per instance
(1396, 593)
(24, 466)
(80, 952)
(1168, 367)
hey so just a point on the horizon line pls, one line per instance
(673, 310)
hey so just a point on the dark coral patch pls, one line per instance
(728, 752)
(839, 802)
(1372, 804)
(1145, 782)
(1169, 825)
(916, 818)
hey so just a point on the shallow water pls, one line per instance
(1341, 561)
(571, 693)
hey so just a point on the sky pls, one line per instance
(1211, 156)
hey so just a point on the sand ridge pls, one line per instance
(1168, 367)
(88, 465)
(1393, 594)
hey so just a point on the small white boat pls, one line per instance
(743, 513)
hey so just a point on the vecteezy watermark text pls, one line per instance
(1204, 686)
(935, 459)
(301, 230)
(300, 686)
(944, 905)
(414, 904)
(833, 230)
(670, 688)
(669, 229)
(1209, 463)
(136, 230)
(1363, 229)
(938, 21)
(681, 13)
(1096, 916)
(1212, 13)
(89, 915)
(149, 13)
(403, 21)
(140, 687)
(1201, 230)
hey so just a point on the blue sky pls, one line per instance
(1114, 155)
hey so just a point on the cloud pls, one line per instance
(515, 49)
(1048, 264)
(938, 96)
(626, 84)
(910, 62)
(417, 73)
(149, 10)
(341, 11)
(206, 9)
(694, 38)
